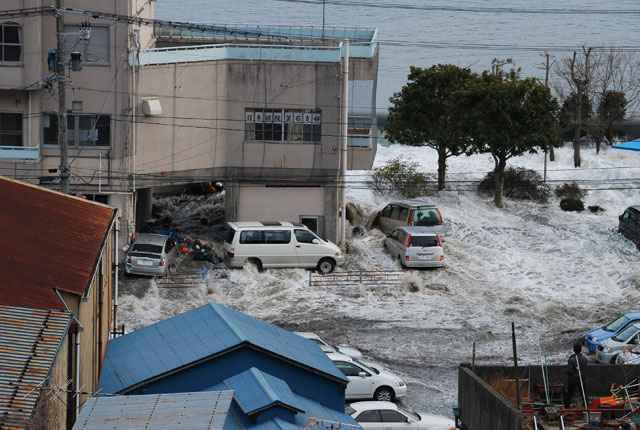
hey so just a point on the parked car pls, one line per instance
(366, 383)
(389, 416)
(415, 247)
(327, 347)
(416, 212)
(150, 254)
(279, 244)
(608, 349)
(599, 334)
(629, 356)
(629, 224)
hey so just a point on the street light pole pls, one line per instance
(61, 73)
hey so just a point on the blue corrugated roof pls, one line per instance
(185, 411)
(312, 410)
(256, 390)
(197, 334)
(30, 340)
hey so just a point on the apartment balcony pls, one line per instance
(19, 153)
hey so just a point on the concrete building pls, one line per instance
(160, 104)
(58, 254)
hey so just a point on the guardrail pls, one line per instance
(364, 277)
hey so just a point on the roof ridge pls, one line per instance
(219, 309)
(264, 384)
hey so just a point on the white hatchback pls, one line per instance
(326, 347)
(388, 415)
(367, 383)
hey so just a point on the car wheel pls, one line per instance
(326, 265)
(384, 394)
(401, 262)
(256, 263)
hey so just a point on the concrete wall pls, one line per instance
(203, 110)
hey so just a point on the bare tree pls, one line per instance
(610, 79)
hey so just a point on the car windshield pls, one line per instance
(349, 410)
(410, 413)
(616, 324)
(625, 334)
(145, 247)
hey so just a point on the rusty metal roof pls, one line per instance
(48, 240)
(29, 343)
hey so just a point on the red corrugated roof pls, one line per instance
(47, 240)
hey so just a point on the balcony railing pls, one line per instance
(19, 152)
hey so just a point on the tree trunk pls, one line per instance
(442, 165)
(576, 133)
(552, 155)
(610, 134)
(598, 142)
(499, 178)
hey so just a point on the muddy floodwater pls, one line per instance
(554, 274)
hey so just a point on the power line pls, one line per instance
(491, 10)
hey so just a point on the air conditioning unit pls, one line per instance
(151, 106)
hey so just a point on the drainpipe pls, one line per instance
(345, 129)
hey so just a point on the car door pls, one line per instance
(384, 219)
(370, 420)
(278, 249)
(392, 243)
(309, 249)
(392, 420)
(625, 221)
(359, 387)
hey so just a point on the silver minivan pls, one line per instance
(415, 247)
(150, 254)
(608, 349)
(415, 212)
(279, 244)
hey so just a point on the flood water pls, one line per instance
(554, 274)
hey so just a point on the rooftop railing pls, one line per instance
(200, 53)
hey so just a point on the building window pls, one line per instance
(95, 51)
(10, 129)
(82, 130)
(11, 42)
(283, 125)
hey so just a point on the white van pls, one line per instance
(278, 244)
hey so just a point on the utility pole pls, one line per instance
(323, 1)
(345, 130)
(61, 73)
